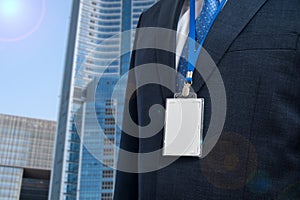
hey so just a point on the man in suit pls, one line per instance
(256, 47)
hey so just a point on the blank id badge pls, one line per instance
(183, 127)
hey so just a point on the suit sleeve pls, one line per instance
(126, 187)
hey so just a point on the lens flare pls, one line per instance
(260, 183)
(9, 8)
(19, 19)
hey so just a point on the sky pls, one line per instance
(33, 40)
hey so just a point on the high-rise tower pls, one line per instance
(88, 117)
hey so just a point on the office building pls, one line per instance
(88, 132)
(26, 153)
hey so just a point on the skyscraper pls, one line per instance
(88, 132)
(26, 148)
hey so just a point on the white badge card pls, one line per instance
(183, 127)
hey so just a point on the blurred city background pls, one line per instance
(60, 122)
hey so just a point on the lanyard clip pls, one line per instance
(186, 89)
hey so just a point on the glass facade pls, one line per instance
(88, 132)
(10, 182)
(25, 144)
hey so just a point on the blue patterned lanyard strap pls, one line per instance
(199, 29)
(211, 9)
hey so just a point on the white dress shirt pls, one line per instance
(183, 26)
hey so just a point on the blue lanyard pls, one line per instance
(193, 54)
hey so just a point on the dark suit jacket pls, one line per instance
(256, 46)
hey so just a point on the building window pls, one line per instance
(89, 61)
(108, 162)
(108, 174)
(108, 152)
(108, 141)
(110, 121)
(106, 196)
(109, 131)
(109, 102)
(110, 111)
(107, 185)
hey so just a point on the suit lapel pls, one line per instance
(168, 19)
(231, 21)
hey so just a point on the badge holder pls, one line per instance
(183, 124)
(184, 112)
